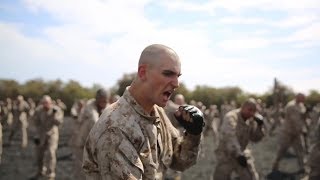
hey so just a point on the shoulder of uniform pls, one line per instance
(119, 115)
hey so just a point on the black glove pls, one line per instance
(196, 125)
(54, 110)
(259, 119)
(242, 160)
(36, 141)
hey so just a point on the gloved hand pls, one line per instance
(242, 160)
(191, 118)
(36, 140)
(54, 110)
(259, 119)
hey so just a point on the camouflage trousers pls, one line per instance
(228, 166)
(0, 141)
(46, 155)
(20, 123)
(294, 140)
(313, 162)
(77, 162)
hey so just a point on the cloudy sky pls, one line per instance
(221, 43)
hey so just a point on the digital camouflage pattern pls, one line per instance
(235, 135)
(46, 124)
(87, 118)
(127, 143)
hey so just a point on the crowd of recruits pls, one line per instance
(233, 128)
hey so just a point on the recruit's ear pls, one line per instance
(142, 71)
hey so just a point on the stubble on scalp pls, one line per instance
(153, 54)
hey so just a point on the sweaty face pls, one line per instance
(163, 80)
(248, 112)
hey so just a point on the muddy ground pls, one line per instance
(18, 164)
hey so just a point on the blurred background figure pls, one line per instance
(87, 118)
(170, 109)
(61, 104)
(20, 111)
(292, 131)
(46, 120)
(114, 98)
(239, 127)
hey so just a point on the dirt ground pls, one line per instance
(18, 164)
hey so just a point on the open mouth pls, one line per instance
(167, 94)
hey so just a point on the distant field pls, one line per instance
(19, 165)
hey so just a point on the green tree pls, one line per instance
(9, 88)
(122, 83)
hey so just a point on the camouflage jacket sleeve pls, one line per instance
(58, 116)
(256, 132)
(86, 123)
(117, 157)
(229, 137)
(185, 152)
(185, 147)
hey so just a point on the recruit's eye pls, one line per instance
(169, 73)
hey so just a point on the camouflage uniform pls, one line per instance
(235, 134)
(291, 132)
(61, 104)
(212, 121)
(20, 111)
(0, 133)
(126, 143)
(46, 124)
(88, 117)
(7, 111)
(314, 162)
(225, 108)
(170, 109)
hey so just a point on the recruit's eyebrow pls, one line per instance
(168, 72)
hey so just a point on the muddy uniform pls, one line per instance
(88, 117)
(235, 134)
(127, 143)
(291, 132)
(46, 124)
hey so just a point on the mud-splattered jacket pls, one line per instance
(127, 143)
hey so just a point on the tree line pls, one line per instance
(69, 91)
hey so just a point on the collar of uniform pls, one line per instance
(154, 117)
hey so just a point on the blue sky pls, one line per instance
(221, 43)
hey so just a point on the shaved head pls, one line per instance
(248, 108)
(157, 78)
(300, 98)
(46, 102)
(154, 53)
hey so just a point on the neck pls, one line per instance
(138, 94)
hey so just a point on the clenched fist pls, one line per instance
(191, 118)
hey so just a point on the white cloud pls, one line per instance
(110, 35)
(245, 43)
(304, 37)
(16, 47)
(237, 6)
(98, 17)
